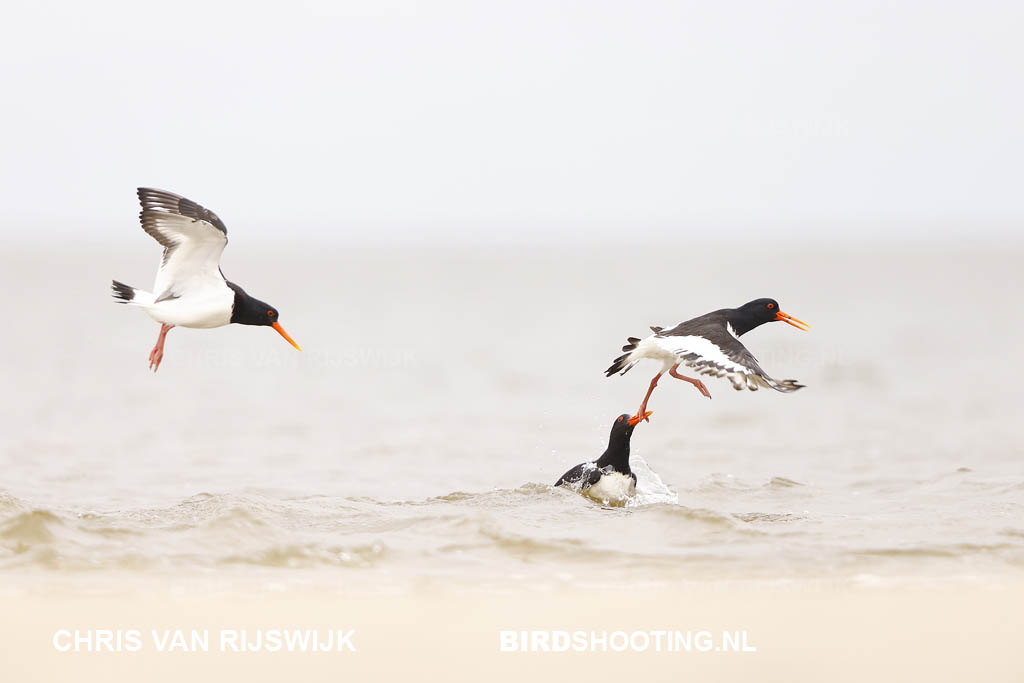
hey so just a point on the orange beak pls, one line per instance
(637, 419)
(790, 320)
(280, 331)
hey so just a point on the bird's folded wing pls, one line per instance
(193, 239)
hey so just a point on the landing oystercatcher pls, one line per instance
(710, 345)
(608, 479)
(190, 288)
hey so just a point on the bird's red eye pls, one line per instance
(270, 313)
(771, 305)
(620, 419)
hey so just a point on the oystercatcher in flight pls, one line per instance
(608, 479)
(190, 288)
(709, 345)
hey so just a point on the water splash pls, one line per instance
(650, 489)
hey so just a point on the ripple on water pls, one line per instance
(782, 483)
(26, 529)
(499, 531)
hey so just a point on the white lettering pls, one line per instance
(507, 641)
(297, 640)
(345, 640)
(227, 635)
(59, 644)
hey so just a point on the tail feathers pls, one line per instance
(122, 292)
(786, 386)
(623, 363)
(126, 294)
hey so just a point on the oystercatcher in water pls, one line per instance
(608, 479)
(190, 288)
(709, 345)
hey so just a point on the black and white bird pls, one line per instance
(607, 480)
(709, 345)
(190, 288)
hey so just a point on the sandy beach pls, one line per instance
(802, 631)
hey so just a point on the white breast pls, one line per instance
(613, 488)
(202, 307)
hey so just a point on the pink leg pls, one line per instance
(695, 382)
(642, 414)
(157, 354)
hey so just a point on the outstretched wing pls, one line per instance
(716, 352)
(193, 239)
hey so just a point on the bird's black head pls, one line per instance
(617, 453)
(758, 312)
(248, 310)
(624, 425)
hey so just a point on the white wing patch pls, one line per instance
(706, 358)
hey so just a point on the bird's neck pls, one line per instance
(617, 455)
(740, 322)
(240, 306)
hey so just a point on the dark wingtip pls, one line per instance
(162, 201)
(144, 193)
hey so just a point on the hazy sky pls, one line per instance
(517, 120)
